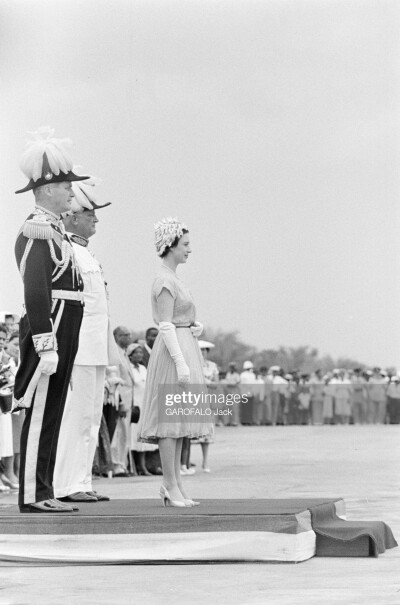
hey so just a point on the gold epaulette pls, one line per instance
(38, 227)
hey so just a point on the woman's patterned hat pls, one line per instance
(165, 233)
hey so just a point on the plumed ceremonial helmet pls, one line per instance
(47, 160)
(85, 196)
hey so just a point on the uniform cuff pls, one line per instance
(44, 342)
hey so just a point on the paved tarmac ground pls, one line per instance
(358, 463)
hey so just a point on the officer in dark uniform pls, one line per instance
(49, 329)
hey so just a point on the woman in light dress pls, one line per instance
(8, 478)
(139, 373)
(211, 377)
(175, 365)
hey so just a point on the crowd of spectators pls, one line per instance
(343, 396)
(10, 424)
(267, 396)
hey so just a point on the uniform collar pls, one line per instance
(54, 217)
(78, 239)
(55, 220)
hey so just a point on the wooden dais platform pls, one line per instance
(140, 531)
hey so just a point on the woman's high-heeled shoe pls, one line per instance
(165, 497)
(190, 502)
(8, 483)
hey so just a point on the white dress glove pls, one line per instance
(197, 329)
(48, 362)
(168, 333)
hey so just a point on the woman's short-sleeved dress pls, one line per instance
(162, 371)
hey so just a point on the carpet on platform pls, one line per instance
(137, 531)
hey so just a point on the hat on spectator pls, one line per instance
(132, 347)
(248, 365)
(204, 344)
(47, 160)
(275, 369)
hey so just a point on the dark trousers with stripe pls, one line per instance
(43, 419)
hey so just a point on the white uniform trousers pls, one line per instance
(79, 431)
(6, 436)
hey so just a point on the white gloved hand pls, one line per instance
(168, 333)
(48, 362)
(183, 372)
(197, 329)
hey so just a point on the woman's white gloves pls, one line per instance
(197, 329)
(48, 362)
(168, 333)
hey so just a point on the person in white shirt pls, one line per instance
(84, 405)
(342, 396)
(279, 392)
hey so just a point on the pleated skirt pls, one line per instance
(161, 371)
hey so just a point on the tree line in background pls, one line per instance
(229, 347)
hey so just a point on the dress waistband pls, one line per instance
(189, 326)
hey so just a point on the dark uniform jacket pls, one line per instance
(46, 262)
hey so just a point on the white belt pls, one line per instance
(68, 295)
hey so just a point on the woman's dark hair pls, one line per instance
(174, 243)
(3, 328)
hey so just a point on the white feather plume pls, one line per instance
(84, 192)
(57, 151)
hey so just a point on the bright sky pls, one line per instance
(270, 127)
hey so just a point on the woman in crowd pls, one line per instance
(135, 354)
(377, 387)
(328, 393)
(17, 418)
(232, 390)
(317, 398)
(211, 376)
(175, 362)
(247, 381)
(342, 396)
(7, 368)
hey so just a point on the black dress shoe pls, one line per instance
(99, 497)
(68, 505)
(78, 497)
(46, 506)
(156, 471)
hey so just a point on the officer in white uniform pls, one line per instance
(97, 350)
